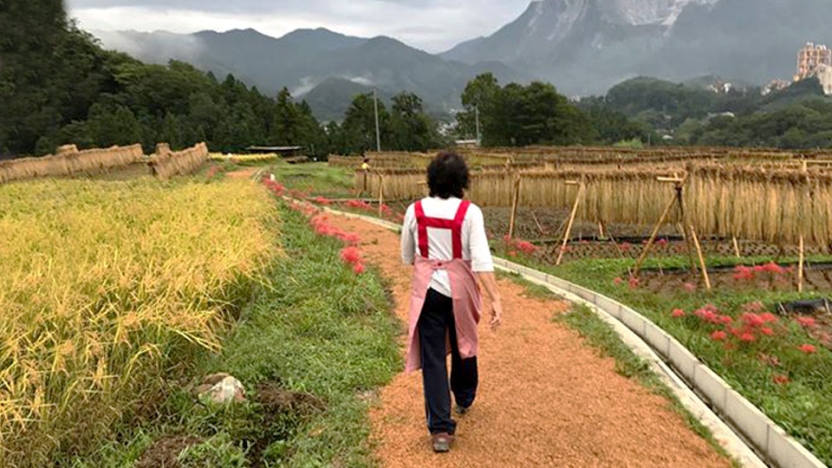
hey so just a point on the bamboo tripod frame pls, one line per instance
(687, 230)
(568, 232)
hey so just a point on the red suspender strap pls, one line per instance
(453, 225)
(456, 232)
(421, 223)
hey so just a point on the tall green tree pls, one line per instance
(359, 127)
(411, 128)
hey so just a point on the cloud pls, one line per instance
(432, 25)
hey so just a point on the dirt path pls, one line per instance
(545, 398)
(246, 173)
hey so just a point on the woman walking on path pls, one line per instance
(444, 238)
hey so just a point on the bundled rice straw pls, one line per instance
(69, 161)
(168, 165)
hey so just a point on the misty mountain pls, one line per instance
(587, 46)
(308, 59)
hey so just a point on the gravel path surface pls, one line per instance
(545, 397)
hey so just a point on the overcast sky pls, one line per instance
(432, 25)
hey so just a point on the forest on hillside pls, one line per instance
(60, 86)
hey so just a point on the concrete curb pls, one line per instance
(735, 422)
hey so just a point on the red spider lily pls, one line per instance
(662, 242)
(625, 247)
(678, 313)
(274, 187)
(512, 253)
(526, 247)
(350, 255)
(752, 320)
(808, 349)
(781, 379)
(773, 268)
(767, 331)
(708, 315)
(349, 238)
(358, 268)
(400, 218)
(618, 281)
(768, 317)
(634, 283)
(690, 287)
(323, 201)
(806, 322)
(719, 336)
(726, 319)
(743, 273)
(747, 337)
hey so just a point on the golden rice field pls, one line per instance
(243, 158)
(103, 287)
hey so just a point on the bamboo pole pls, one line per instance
(539, 226)
(653, 236)
(800, 274)
(571, 223)
(380, 195)
(737, 248)
(704, 267)
(514, 204)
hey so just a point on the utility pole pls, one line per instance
(378, 132)
(479, 135)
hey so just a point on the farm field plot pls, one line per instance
(104, 286)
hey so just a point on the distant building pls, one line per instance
(824, 74)
(775, 85)
(810, 58)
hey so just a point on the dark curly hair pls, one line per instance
(448, 176)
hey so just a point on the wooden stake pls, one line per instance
(737, 247)
(655, 233)
(701, 258)
(514, 203)
(800, 266)
(601, 233)
(539, 227)
(380, 195)
(571, 223)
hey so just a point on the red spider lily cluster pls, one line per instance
(633, 282)
(275, 188)
(515, 245)
(625, 247)
(360, 205)
(320, 223)
(322, 227)
(352, 257)
(323, 201)
(750, 274)
(754, 324)
(750, 326)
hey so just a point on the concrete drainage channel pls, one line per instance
(742, 429)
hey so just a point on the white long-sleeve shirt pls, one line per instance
(440, 243)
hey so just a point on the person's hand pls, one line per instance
(496, 314)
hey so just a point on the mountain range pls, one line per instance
(319, 65)
(582, 46)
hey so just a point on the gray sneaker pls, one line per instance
(442, 442)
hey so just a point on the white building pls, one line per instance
(824, 74)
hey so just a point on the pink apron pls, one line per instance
(465, 292)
